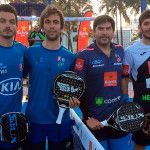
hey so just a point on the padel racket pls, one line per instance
(14, 127)
(146, 124)
(67, 85)
(129, 118)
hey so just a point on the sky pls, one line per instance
(96, 5)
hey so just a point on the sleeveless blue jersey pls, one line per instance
(11, 67)
(43, 65)
(137, 63)
(102, 75)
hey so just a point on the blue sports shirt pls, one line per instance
(43, 65)
(102, 75)
(11, 68)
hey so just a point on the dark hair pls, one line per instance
(49, 10)
(103, 19)
(8, 8)
(145, 15)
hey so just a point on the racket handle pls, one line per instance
(60, 115)
(104, 123)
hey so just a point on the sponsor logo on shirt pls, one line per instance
(118, 58)
(21, 64)
(3, 69)
(60, 61)
(115, 99)
(143, 53)
(97, 63)
(146, 97)
(100, 100)
(110, 79)
(117, 64)
(148, 83)
(79, 64)
(10, 86)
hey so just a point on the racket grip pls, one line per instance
(104, 123)
(60, 115)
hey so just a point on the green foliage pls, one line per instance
(135, 36)
(135, 5)
(70, 8)
(25, 1)
(112, 6)
(73, 8)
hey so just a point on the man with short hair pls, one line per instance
(11, 65)
(100, 64)
(44, 62)
(137, 64)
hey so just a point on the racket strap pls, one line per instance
(60, 115)
(104, 123)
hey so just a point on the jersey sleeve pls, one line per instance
(127, 63)
(81, 65)
(26, 64)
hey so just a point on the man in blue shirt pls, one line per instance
(11, 65)
(44, 62)
(100, 64)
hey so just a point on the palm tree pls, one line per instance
(113, 7)
(135, 5)
(72, 8)
(25, 1)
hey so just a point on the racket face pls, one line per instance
(68, 85)
(146, 124)
(130, 117)
(14, 127)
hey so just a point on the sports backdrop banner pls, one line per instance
(83, 32)
(22, 32)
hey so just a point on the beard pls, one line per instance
(53, 38)
(144, 34)
(8, 36)
(102, 42)
(146, 37)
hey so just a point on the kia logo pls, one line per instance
(10, 86)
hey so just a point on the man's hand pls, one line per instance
(94, 124)
(74, 102)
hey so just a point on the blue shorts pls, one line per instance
(8, 146)
(123, 143)
(53, 132)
